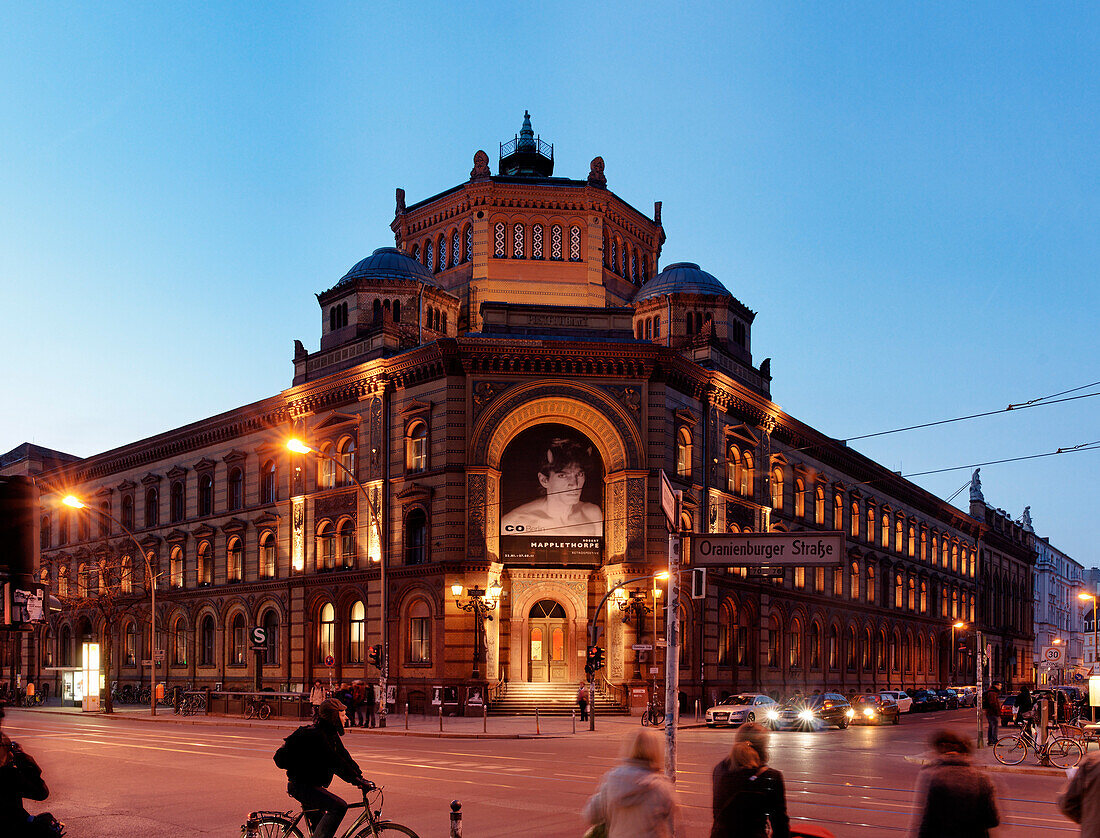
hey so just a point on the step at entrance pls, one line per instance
(550, 699)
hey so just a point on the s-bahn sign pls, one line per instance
(769, 549)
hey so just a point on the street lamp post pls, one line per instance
(661, 574)
(1087, 597)
(299, 447)
(954, 649)
(481, 604)
(77, 503)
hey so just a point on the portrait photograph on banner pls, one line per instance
(551, 497)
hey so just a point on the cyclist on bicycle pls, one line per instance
(311, 755)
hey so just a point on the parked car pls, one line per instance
(876, 709)
(1008, 709)
(901, 697)
(738, 709)
(950, 699)
(811, 712)
(968, 696)
(925, 701)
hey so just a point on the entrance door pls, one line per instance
(546, 643)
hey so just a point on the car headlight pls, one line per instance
(850, 713)
(806, 715)
(868, 712)
(773, 715)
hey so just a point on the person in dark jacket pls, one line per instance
(311, 756)
(954, 799)
(991, 703)
(1024, 704)
(747, 794)
(20, 777)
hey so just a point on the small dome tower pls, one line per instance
(526, 155)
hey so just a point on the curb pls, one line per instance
(1037, 770)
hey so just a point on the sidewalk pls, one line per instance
(454, 727)
(983, 758)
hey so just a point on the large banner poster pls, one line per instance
(551, 497)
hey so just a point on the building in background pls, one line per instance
(496, 396)
(1058, 609)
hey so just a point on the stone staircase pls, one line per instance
(521, 699)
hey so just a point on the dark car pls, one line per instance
(875, 709)
(1008, 709)
(925, 701)
(950, 699)
(812, 712)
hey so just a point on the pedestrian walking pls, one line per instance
(954, 798)
(582, 701)
(635, 799)
(991, 703)
(1080, 802)
(370, 704)
(316, 696)
(359, 700)
(1024, 705)
(749, 800)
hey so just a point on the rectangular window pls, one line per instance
(420, 643)
(357, 639)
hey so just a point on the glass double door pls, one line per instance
(546, 627)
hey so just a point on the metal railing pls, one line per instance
(523, 144)
(611, 692)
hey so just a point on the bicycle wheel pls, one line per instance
(250, 711)
(1064, 752)
(386, 829)
(276, 826)
(645, 719)
(657, 718)
(1010, 750)
(264, 712)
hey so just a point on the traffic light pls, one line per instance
(374, 655)
(593, 660)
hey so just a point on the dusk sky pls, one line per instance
(908, 196)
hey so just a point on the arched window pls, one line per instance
(415, 254)
(614, 255)
(152, 501)
(175, 504)
(911, 584)
(267, 556)
(794, 645)
(416, 536)
(853, 591)
(935, 549)
(899, 591)
(727, 618)
(429, 255)
(885, 535)
(838, 581)
(774, 636)
(923, 545)
(238, 639)
(65, 646)
(912, 546)
(850, 648)
(870, 525)
(442, 250)
(799, 498)
(179, 642)
(207, 640)
(126, 575)
(82, 580)
(733, 470)
(518, 249)
(206, 494)
(898, 530)
(233, 560)
(838, 513)
(683, 452)
(205, 566)
(871, 584)
(854, 520)
(819, 506)
(420, 637)
(923, 597)
(127, 516)
(944, 554)
(456, 248)
(270, 624)
(44, 532)
(346, 453)
(267, 482)
(574, 244)
(499, 240)
(175, 567)
(376, 311)
(468, 249)
(347, 543)
(555, 243)
(815, 646)
(748, 476)
(63, 581)
(326, 468)
(357, 635)
(536, 241)
(416, 447)
(867, 658)
(955, 558)
(895, 662)
(832, 653)
(129, 644)
(326, 546)
(326, 633)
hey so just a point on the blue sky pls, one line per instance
(907, 195)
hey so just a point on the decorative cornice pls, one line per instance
(151, 479)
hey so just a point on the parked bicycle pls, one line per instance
(257, 708)
(191, 704)
(654, 714)
(369, 824)
(1061, 751)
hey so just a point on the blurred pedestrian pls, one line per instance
(316, 696)
(635, 799)
(748, 796)
(954, 798)
(582, 701)
(20, 777)
(1081, 800)
(356, 710)
(370, 704)
(1024, 705)
(991, 703)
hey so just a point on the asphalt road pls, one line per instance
(121, 778)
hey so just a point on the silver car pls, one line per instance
(738, 709)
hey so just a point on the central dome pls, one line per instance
(681, 278)
(389, 263)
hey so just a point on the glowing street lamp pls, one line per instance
(299, 447)
(481, 604)
(1086, 596)
(954, 651)
(77, 503)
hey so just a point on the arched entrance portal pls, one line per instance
(546, 644)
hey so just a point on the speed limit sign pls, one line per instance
(1052, 654)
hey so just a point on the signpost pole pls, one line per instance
(672, 655)
(979, 648)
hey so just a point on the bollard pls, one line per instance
(574, 721)
(697, 710)
(406, 715)
(441, 719)
(484, 718)
(456, 820)
(537, 733)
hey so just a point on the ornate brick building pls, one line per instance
(504, 386)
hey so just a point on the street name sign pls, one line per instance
(770, 549)
(642, 647)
